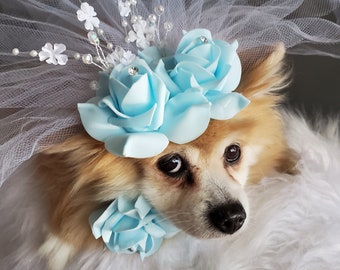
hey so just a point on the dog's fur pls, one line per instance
(79, 175)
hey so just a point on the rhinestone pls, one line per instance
(33, 53)
(124, 23)
(168, 26)
(152, 18)
(127, 40)
(15, 51)
(159, 10)
(94, 85)
(77, 56)
(87, 59)
(100, 32)
(204, 39)
(133, 70)
(93, 38)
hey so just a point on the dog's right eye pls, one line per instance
(173, 165)
(232, 154)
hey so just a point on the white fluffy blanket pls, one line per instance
(295, 220)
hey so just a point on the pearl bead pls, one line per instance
(139, 18)
(134, 18)
(133, 70)
(15, 51)
(87, 59)
(152, 18)
(159, 10)
(94, 85)
(100, 32)
(124, 23)
(97, 59)
(127, 40)
(109, 45)
(77, 56)
(33, 53)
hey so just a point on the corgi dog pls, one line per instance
(198, 186)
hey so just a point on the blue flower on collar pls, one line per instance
(130, 226)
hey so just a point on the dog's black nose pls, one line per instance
(228, 218)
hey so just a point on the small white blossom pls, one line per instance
(86, 13)
(127, 58)
(120, 56)
(142, 32)
(53, 54)
(124, 8)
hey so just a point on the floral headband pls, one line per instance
(144, 101)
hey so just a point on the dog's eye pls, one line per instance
(232, 154)
(172, 165)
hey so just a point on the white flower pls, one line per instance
(53, 54)
(120, 56)
(124, 8)
(140, 33)
(127, 58)
(86, 13)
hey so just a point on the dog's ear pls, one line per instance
(261, 83)
(79, 176)
(265, 76)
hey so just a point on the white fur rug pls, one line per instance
(295, 220)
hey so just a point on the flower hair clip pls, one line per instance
(158, 98)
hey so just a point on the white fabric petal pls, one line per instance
(61, 59)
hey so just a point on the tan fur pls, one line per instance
(80, 175)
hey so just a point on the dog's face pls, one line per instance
(198, 186)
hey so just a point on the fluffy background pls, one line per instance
(294, 220)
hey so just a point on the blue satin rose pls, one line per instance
(129, 226)
(211, 66)
(128, 111)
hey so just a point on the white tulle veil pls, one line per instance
(38, 101)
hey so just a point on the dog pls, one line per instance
(198, 186)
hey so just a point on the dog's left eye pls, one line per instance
(172, 165)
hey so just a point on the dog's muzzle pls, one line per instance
(227, 218)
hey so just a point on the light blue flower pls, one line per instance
(129, 226)
(212, 66)
(167, 98)
(128, 111)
